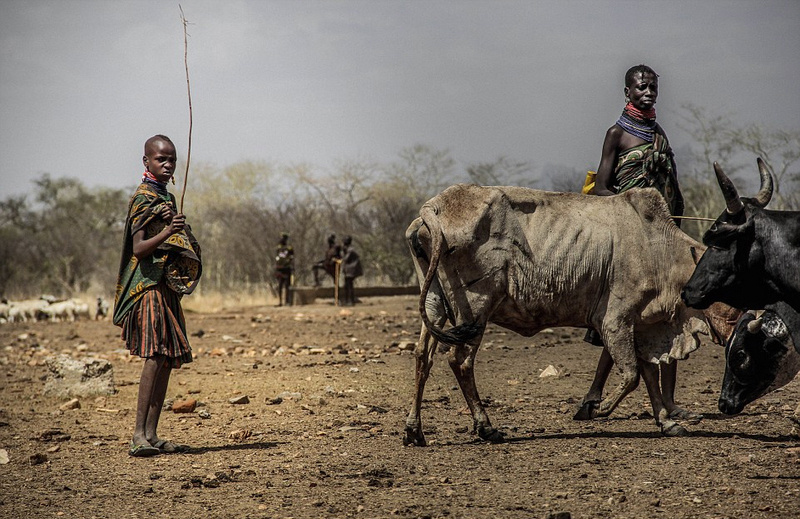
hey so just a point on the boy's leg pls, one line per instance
(157, 399)
(147, 383)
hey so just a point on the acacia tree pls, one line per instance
(63, 242)
(501, 172)
(735, 146)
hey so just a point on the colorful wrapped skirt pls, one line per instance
(156, 326)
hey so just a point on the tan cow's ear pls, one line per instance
(695, 256)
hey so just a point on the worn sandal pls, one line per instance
(142, 451)
(167, 447)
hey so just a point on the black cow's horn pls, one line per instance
(754, 326)
(728, 191)
(765, 193)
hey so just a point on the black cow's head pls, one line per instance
(731, 269)
(759, 357)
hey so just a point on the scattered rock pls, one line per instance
(4, 459)
(406, 346)
(184, 406)
(240, 434)
(288, 395)
(55, 435)
(69, 378)
(274, 400)
(37, 459)
(204, 414)
(239, 400)
(550, 371)
(72, 404)
(558, 515)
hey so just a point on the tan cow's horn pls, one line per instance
(728, 191)
(754, 326)
(765, 193)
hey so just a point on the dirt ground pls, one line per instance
(333, 446)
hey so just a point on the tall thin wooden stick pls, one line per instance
(189, 92)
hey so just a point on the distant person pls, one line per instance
(351, 269)
(284, 267)
(328, 263)
(160, 263)
(637, 154)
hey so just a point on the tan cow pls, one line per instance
(527, 260)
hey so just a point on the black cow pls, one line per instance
(753, 254)
(762, 355)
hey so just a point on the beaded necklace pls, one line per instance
(149, 178)
(638, 123)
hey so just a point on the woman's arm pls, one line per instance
(604, 180)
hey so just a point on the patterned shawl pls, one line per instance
(176, 261)
(649, 165)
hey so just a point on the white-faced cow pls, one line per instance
(527, 260)
(762, 355)
(753, 253)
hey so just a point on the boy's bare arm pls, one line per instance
(144, 247)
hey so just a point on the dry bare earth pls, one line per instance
(337, 450)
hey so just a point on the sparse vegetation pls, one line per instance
(64, 238)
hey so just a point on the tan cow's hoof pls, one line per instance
(686, 416)
(673, 429)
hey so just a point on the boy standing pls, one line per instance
(160, 263)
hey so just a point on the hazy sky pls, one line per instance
(84, 82)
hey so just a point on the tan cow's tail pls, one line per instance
(458, 334)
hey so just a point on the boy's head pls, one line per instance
(284, 238)
(160, 157)
(347, 240)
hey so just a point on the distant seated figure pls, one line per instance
(328, 264)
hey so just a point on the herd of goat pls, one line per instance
(48, 308)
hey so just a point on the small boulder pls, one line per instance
(72, 404)
(184, 406)
(550, 371)
(69, 378)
